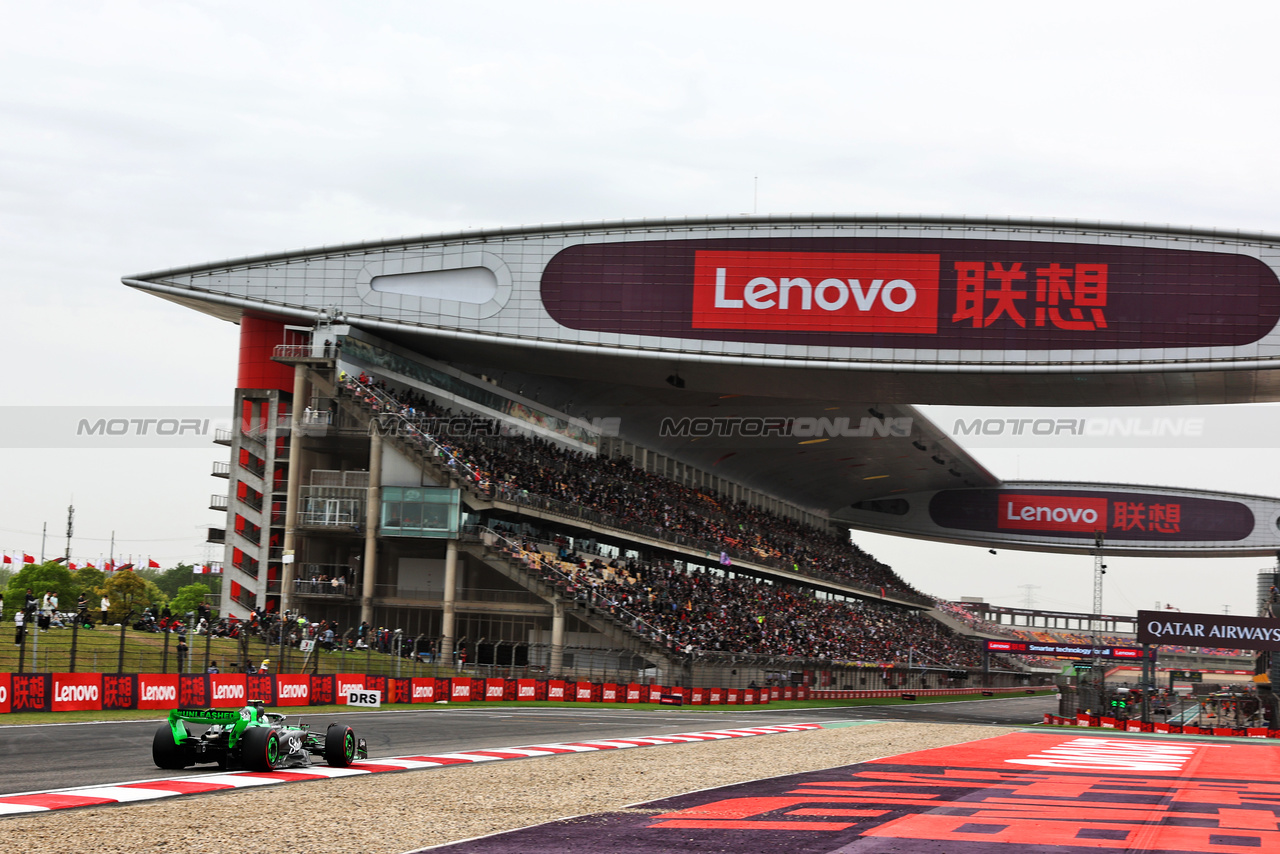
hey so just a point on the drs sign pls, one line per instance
(364, 697)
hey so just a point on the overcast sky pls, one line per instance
(143, 135)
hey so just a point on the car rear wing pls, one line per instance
(225, 717)
(234, 720)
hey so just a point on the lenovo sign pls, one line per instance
(345, 683)
(1051, 512)
(934, 293)
(293, 690)
(77, 692)
(157, 691)
(827, 291)
(1080, 514)
(227, 690)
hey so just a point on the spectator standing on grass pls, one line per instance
(182, 653)
(82, 610)
(213, 668)
(104, 605)
(19, 627)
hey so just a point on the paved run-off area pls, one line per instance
(399, 812)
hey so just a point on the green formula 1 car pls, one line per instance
(249, 738)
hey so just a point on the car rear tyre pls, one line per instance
(168, 754)
(261, 749)
(339, 745)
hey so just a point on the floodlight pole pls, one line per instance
(1099, 570)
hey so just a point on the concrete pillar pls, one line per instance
(448, 634)
(292, 485)
(372, 513)
(556, 665)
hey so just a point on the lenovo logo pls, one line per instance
(1052, 513)
(159, 692)
(75, 693)
(292, 690)
(816, 291)
(228, 692)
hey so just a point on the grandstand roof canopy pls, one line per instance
(786, 352)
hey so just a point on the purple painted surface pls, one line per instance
(809, 814)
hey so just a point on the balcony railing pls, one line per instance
(316, 352)
(247, 598)
(217, 502)
(326, 579)
(248, 565)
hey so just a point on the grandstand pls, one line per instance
(646, 569)
(642, 445)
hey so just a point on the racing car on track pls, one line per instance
(250, 738)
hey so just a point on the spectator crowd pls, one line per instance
(521, 468)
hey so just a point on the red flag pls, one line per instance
(108, 567)
(151, 564)
(73, 566)
(26, 558)
(89, 564)
(8, 559)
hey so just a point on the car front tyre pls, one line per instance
(339, 745)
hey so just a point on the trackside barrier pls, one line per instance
(821, 694)
(1159, 727)
(20, 692)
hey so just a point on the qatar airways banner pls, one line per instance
(1081, 513)
(1216, 631)
(966, 294)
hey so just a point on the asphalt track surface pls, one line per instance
(42, 757)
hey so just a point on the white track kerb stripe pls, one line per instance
(119, 793)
